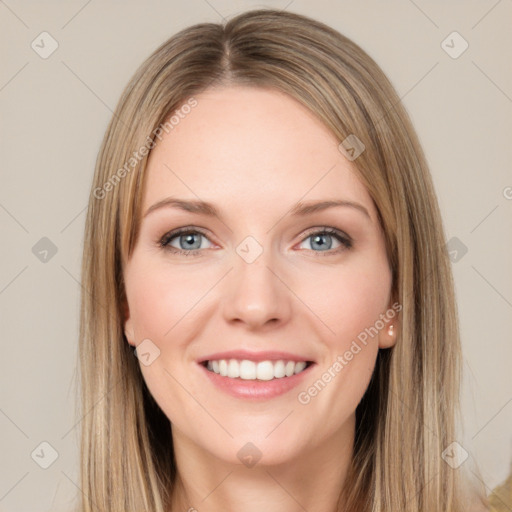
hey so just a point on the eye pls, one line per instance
(323, 240)
(185, 241)
(189, 241)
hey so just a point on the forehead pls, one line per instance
(249, 146)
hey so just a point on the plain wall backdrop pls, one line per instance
(55, 104)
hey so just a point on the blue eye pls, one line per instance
(190, 241)
(323, 240)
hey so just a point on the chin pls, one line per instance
(258, 452)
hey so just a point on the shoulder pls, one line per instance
(500, 499)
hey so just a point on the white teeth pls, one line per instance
(279, 370)
(300, 366)
(249, 370)
(290, 368)
(223, 367)
(233, 369)
(265, 370)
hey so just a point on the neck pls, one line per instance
(312, 481)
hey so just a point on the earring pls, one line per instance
(391, 330)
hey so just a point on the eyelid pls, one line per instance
(345, 239)
(167, 237)
(327, 229)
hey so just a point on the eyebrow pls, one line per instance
(300, 209)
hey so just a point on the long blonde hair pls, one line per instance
(408, 415)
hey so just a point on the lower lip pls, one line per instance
(256, 389)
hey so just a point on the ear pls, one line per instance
(128, 324)
(389, 333)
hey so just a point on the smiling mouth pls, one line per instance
(245, 369)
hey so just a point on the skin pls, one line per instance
(254, 153)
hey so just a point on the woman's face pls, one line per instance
(261, 283)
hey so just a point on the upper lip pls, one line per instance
(266, 355)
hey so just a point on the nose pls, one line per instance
(257, 295)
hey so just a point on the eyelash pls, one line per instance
(343, 238)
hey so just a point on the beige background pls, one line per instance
(53, 115)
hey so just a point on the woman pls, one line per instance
(232, 357)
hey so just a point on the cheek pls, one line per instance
(351, 306)
(160, 298)
(350, 302)
(163, 306)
